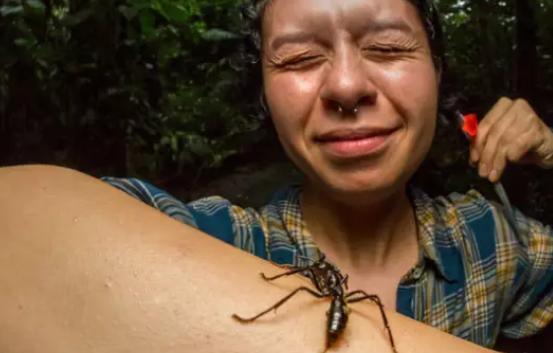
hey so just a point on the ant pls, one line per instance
(330, 283)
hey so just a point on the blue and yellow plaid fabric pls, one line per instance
(475, 280)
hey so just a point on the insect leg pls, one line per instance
(374, 298)
(291, 272)
(279, 303)
(351, 294)
(345, 283)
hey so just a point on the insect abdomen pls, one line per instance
(337, 320)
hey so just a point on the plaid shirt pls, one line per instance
(475, 280)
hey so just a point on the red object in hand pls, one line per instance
(470, 125)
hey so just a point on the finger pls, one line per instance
(540, 139)
(520, 147)
(498, 166)
(516, 142)
(523, 144)
(475, 153)
(498, 136)
(508, 141)
(485, 126)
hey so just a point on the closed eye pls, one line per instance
(388, 53)
(389, 50)
(301, 62)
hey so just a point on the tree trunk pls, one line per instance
(526, 55)
(486, 44)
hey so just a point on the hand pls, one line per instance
(511, 132)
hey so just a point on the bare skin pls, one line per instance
(86, 268)
(372, 57)
(385, 261)
(352, 89)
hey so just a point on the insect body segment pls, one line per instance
(330, 283)
(337, 320)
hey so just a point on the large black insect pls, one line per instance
(330, 283)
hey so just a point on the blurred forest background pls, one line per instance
(148, 88)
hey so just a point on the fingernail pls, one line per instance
(494, 176)
(483, 170)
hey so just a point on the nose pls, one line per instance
(347, 84)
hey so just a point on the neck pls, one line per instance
(363, 237)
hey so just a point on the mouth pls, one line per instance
(355, 143)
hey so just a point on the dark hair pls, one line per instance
(250, 57)
(430, 174)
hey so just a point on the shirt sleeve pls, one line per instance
(213, 215)
(531, 306)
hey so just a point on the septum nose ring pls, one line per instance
(341, 110)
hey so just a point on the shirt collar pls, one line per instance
(438, 223)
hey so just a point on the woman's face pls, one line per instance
(352, 91)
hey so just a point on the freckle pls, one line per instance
(20, 307)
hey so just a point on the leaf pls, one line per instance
(147, 23)
(175, 12)
(35, 5)
(128, 12)
(218, 159)
(8, 10)
(174, 143)
(216, 35)
(24, 42)
(77, 18)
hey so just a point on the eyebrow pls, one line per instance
(386, 25)
(296, 37)
(369, 27)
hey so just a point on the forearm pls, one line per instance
(85, 268)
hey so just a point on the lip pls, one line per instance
(355, 143)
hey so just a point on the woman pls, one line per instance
(352, 87)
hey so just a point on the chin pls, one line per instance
(362, 188)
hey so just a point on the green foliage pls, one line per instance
(148, 87)
(126, 81)
(483, 55)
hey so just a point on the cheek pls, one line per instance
(290, 99)
(414, 92)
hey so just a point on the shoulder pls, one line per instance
(451, 217)
(478, 232)
(484, 218)
(252, 230)
(508, 265)
(210, 214)
(471, 238)
(473, 217)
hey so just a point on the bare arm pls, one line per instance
(86, 268)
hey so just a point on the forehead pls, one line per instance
(327, 15)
